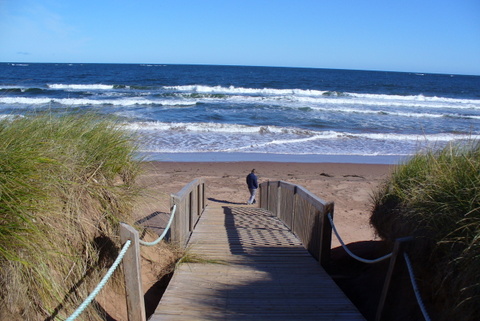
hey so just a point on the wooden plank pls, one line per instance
(261, 271)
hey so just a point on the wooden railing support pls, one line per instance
(190, 202)
(309, 224)
(398, 249)
(133, 275)
(294, 208)
(326, 235)
(278, 212)
(263, 196)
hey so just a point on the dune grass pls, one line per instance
(65, 183)
(436, 198)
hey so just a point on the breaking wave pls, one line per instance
(263, 130)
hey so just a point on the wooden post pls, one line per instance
(278, 210)
(191, 206)
(293, 214)
(133, 276)
(204, 194)
(199, 199)
(397, 250)
(326, 234)
(175, 231)
(267, 199)
(264, 202)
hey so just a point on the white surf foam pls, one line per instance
(318, 97)
(248, 91)
(95, 102)
(81, 86)
(301, 134)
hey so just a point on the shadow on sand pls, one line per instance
(225, 201)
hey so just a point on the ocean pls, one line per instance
(238, 113)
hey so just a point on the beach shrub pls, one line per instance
(65, 183)
(435, 197)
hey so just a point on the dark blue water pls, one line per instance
(256, 112)
(390, 83)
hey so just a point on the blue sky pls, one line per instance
(410, 35)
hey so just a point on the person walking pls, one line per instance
(252, 186)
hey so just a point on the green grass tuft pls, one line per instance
(189, 257)
(436, 198)
(65, 183)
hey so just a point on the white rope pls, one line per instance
(102, 283)
(415, 287)
(350, 252)
(164, 232)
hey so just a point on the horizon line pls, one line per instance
(239, 65)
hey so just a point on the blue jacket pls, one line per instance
(252, 181)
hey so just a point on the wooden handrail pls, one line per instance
(303, 212)
(307, 216)
(190, 202)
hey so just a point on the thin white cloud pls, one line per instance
(50, 22)
(39, 32)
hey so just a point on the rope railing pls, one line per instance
(407, 261)
(114, 266)
(415, 287)
(101, 284)
(350, 252)
(174, 209)
(136, 309)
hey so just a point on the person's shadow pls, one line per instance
(224, 201)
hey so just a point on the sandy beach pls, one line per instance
(349, 186)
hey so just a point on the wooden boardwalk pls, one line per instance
(259, 271)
